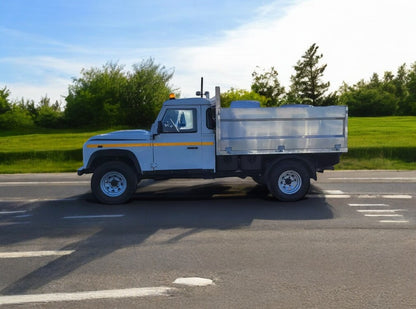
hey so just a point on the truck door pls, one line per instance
(179, 145)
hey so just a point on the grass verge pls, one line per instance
(374, 143)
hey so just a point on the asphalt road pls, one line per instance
(350, 244)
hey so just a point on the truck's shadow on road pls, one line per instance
(191, 210)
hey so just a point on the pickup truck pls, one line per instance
(280, 147)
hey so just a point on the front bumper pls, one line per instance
(82, 171)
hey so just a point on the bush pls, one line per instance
(49, 118)
(15, 118)
(240, 94)
(369, 102)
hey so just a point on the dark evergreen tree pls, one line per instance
(307, 86)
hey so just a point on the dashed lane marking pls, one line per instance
(10, 255)
(369, 205)
(380, 210)
(77, 296)
(383, 215)
(36, 183)
(393, 221)
(35, 200)
(340, 196)
(397, 196)
(333, 192)
(193, 281)
(94, 216)
(375, 178)
(384, 212)
(12, 212)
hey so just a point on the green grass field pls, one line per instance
(374, 143)
(380, 143)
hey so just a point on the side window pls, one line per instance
(179, 121)
(210, 117)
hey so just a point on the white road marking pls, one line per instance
(328, 196)
(35, 183)
(383, 215)
(380, 210)
(34, 200)
(374, 178)
(397, 196)
(393, 221)
(94, 216)
(337, 196)
(59, 297)
(12, 212)
(385, 196)
(9, 255)
(361, 196)
(369, 205)
(194, 281)
(333, 192)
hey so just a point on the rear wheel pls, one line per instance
(289, 181)
(113, 182)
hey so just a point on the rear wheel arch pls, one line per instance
(304, 161)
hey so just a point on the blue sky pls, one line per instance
(44, 43)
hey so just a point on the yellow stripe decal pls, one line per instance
(149, 144)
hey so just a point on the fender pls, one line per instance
(101, 156)
(307, 161)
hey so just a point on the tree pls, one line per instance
(365, 101)
(307, 86)
(374, 98)
(146, 89)
(4, 101)
(267, 84)
(409, 106)
(48, 115)
(95, 98)
(110, 96)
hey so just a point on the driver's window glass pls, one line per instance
(179, 121)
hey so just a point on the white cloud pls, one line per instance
(357, 38)
(55, 90)
(41, 76)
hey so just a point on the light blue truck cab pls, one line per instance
(195, 138)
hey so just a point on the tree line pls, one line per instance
(112, 96)
(99, 98)
(390, 95)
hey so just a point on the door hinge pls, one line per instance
(153, 165)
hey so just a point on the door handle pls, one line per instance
(192, 147)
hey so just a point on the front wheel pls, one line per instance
(289, 181)
(113, 183)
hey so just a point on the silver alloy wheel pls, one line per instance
(290, 182)
(113, 184)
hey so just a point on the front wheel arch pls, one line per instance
(100, 157)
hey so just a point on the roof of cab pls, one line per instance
(188, 101)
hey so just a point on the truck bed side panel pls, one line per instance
(305, 129)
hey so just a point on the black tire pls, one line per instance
(113, 182)
(289, 181)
